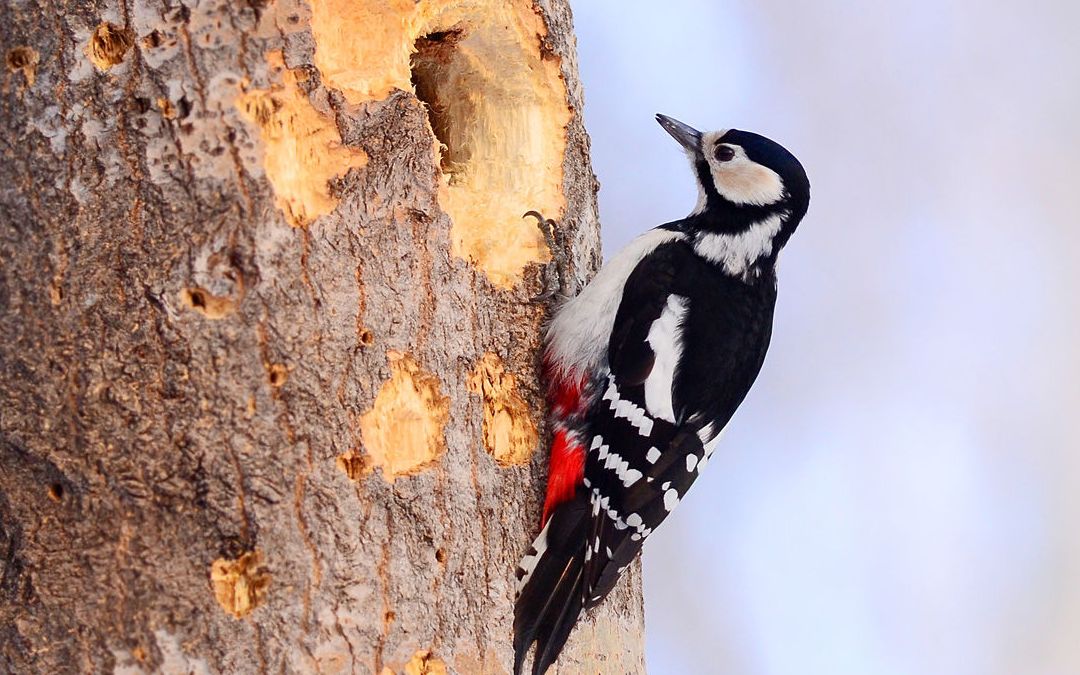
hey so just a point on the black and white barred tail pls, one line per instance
(550, 585)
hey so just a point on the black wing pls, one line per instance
(645, 451)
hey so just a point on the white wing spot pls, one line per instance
(671, 500)
(620, 524)
(691, 462)
(601, 504)
(652, 455)
(614, 462)
(627, 410)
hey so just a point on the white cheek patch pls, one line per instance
(741, 180)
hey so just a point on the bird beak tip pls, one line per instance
(687, 136)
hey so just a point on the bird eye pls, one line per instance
(725, 153)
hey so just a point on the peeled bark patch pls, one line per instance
(168, 110)
(206, 303)
(509, 432)
(23, 60)
(302, 147)
(497, 105)
(108, 45)
(239, 585)
(403, 432)
(277, 374)
(423, 663)
(352, 464)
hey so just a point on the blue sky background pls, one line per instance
(899, 494)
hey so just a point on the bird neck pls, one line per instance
(742, 247)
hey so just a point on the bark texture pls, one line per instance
(269, 397)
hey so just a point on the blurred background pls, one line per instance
(899, 493)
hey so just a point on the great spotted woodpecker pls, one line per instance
(644, 369)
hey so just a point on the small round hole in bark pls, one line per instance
(183, 107)
(197, 297)
(20, 57)
(440, 555)
(206, 303)
(109, 44)
(153, 39)
(56, 492)
(365, 337)
(23, 60)
(277, 374)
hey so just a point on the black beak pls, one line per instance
(686, 135)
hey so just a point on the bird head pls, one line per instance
(748, 186)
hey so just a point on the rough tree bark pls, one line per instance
(269, 397)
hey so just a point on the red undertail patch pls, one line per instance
(566, 467)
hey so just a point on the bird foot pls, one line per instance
(554, 269)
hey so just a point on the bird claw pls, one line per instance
(547, 294)
(552, 269)
(546, 225)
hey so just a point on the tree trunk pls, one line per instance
(269, 395)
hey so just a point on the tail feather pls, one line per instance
(550, 586)
(565, 613)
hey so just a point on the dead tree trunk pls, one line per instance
(269, 397)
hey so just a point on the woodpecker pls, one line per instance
(645, 367)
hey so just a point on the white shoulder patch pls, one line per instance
(577, 338)
(737, 253)
(665, 338)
